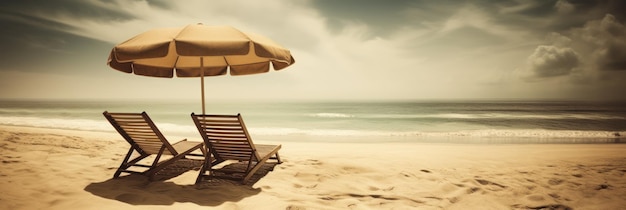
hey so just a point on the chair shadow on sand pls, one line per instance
(135, 189)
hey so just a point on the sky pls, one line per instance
(344, 50)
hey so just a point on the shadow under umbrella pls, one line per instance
(136, 189)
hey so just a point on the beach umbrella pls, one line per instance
(198, 51)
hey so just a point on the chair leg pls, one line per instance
(278, 158)
(251, 172)
(123, 166)
(207, 166)
(256, 167)
(155, 165)
(205, 163)
(201, 174)
(126, 163)
(249, 164)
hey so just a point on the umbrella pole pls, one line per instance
(202, 82)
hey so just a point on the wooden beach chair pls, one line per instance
(146, 139)
(227, 138)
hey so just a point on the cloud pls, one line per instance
(552, 61)
(602, 44)
(497, 17)
(563, 6)
(380, 18)
(345, 49)
(584, 62)
(607, 39)
(597, 46)
(92, 9)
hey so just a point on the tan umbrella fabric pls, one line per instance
(198, 51)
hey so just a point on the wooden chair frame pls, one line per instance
(147, 140)
(226, 138)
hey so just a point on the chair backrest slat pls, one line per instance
(226, 136)
(139, 130)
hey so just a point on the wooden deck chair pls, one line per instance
(146, 139)
(227, 138)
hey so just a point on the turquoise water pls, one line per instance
(550, 121)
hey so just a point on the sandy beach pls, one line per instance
(455, 105)
(62, 169)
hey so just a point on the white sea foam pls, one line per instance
(331, 115)
(87, 125)
(494, 116)
(187, 130)
(312, 132)
(524, 133)
(527, 133)
(72, 124)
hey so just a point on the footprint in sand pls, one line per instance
(486, 182)
(535, 197)
(555, 181)
(294, 207)
(603, 187)
(605, 170)
(312, 162)
(372, 188)
(554, 195)
(472, 190)
(487, 185)
(543, 207)
(308, 177)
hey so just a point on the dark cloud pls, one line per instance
(599, 8)
(39, 49)
(552, 61)
(540, 16)
(537, 8)
(382, 17)
(592, 51)
(30, 42)
(584, 11)
(605, 42)
(101, 10)
(613, 57)
(17, 24)
(612, 51)
(30, 30)
(457, 41)
(163, 4)
(23, 41)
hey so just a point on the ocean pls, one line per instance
(419, 121)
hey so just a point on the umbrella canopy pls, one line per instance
(198, 51)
